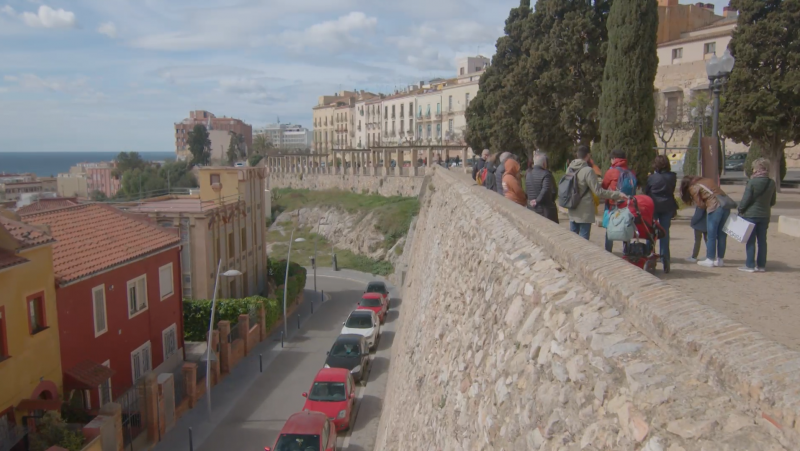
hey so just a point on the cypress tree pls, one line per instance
(627, 105)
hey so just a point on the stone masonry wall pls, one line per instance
(387, 185)
(551, 343)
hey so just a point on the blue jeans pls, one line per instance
(717, 239)
(582, 229)
(665, 219)
(759, 235)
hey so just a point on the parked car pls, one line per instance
(374, 302)
(333, 393)
(365, 323)
(379, 287)
(349, 352)
(306, 431)
(735, 162)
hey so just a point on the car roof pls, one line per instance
(332, 375)
(349, 338)
(362, 313)
(372, 296)
(305, 422)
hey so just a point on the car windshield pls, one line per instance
(327, 391)
(376, 288)
(345, 350)
(359, 322)
(371, 302)
(297, 442)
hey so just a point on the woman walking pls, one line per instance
(540, 186)
(704, 193)
(661, 188)
(759, 197)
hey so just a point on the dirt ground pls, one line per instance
(768, 302)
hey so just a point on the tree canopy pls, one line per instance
(762, 98)
(154, 180)
(200, 145)
(128, 161)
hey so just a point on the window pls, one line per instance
(419, 131)
(141, 362)
(231, 245)
(169, 341)
(104, 389)
(710, 47)
(450, 103)
(461, 71)
(438, 108)
(36, 313)
(214, 178)
(450, 125)
(385, 111)
(99, 309)
(438, 130)
(428, 131)
(466, 100)
(677, 53)
(3, 335)
(243, 236)
(165, 276)
(137, 295)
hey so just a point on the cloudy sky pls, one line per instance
(113, 75)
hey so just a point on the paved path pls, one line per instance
(249, 408)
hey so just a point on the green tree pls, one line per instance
(254, 159)
(128, 161)
(261, 144)
(233, 149)
(627, 107)
(753, 154)
(762, 97)
(141, 183)
(98, 196)
(178, 174)
(200, 145)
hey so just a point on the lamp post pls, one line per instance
(228, 273)
(718, 70)
(286, 281)
(699, 118)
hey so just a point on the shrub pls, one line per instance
(755, 153)
(197, 313)
(53, 431)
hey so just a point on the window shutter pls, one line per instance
(146, 358)
(132, 298)
(165, 280)
(141, 291)
(137, 366)
(99, 310)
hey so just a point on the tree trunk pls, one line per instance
(774, 154)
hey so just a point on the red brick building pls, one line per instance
(211, 122)
(118, 291)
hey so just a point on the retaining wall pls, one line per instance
(385, 185)
(516, 334)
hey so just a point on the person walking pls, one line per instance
(480, 164)
(540, 188)
(491, 182)
(660, 187)
(759, 197)
(511, 185)
(699, 224)
(706, 194)
(583, 215)
(611, 181)
(501, 168)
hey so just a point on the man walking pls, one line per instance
(480, 164)
(501, 169)
(540, 187)
(582, 215)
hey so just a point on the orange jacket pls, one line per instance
(511, 186)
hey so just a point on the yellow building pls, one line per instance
(30, 360)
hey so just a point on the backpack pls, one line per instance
(627, 182)
(568, 195)
(620, 225)
(481, 177)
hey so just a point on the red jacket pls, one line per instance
(612, 175)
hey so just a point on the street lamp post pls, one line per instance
(228, 273)
(286, 281)
(718, 70)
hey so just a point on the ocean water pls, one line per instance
(46, 164)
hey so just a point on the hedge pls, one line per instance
(197, 313)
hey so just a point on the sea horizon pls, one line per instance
(60, 162)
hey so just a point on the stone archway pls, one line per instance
(45, 390)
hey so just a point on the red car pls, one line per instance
(306, 431)
(333, 393)
(375, 302)
(379, 287)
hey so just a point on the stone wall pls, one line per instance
(517, 335)
(386, 185)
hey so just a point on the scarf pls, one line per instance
(759, 174)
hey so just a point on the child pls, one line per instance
(700, 230)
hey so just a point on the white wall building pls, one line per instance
(287, 136)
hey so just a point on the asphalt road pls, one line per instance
(249, 407)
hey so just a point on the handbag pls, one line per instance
(620, 225)
(724, 201)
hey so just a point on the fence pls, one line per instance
(134, 413)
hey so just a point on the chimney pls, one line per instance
(710, 7)
(729, 12)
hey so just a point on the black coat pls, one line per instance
(490, 182)
(661, 188)
(540, 186)
(478, 166)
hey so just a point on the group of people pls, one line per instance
(500, 173)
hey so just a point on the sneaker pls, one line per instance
(761, 269)
(746, 269)
(691, 260)
(719, 263)
(708, 263)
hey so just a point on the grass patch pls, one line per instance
(392, 214)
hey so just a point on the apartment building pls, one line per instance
(344, 122)
(211, 122)
(223, 221)
(372, 122)
(675, 19)
(85, 178)
(287, 136)
(16, 190)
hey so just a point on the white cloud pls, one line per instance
(108, 29)
(78, 87)
(48, 17)
(7, 10)
(248, 89)
(434, 45)
(333, 35)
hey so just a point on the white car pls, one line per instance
(363, 322)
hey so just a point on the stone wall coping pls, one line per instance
(761, 372)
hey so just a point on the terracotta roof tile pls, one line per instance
(26, 235)
(47, 204)
(88, 375)
(8, 259)
(94, 237)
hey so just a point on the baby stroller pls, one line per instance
(642, 250)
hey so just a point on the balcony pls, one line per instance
(428, 115)
(392, 115)
(438, 115)
(359, 127)
(392, 134)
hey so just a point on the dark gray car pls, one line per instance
(349, 351)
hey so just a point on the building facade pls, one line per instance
(344, 125)
(30, 365)
(211, 122)
(72, 185)
(17, 190)
(121, 314)
(288, 136)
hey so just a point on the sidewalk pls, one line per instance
(767, 302)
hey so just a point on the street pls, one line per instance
(249, 408)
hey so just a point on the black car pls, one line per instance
(735, 162)
(379, 287)
(349, 351)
